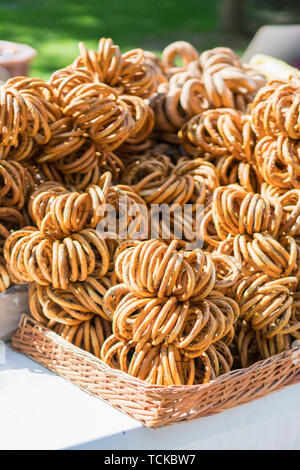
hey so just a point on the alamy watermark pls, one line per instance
(2, 352)
(296, 354)
(130, 220)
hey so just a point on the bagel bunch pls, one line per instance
(16, 183)
(65, 261)
(254, 215)
(65, 130)
(215, 79)
(70, 126)
(183, 132)
(27, 114)
(172, 324)
(183, 187)
(275, 120)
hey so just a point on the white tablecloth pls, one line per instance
(39, 410)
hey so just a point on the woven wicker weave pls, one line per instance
(154, 406)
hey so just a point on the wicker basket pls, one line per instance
(154, 406)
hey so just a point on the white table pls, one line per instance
(39, 410)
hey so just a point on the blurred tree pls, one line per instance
(231, 16)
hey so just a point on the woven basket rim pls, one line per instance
(224, 377)
(153, 405)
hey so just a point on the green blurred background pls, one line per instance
(54, 27)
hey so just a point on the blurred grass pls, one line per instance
(54, 27)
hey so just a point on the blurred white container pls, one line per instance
(14, 59)
(13, 303)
